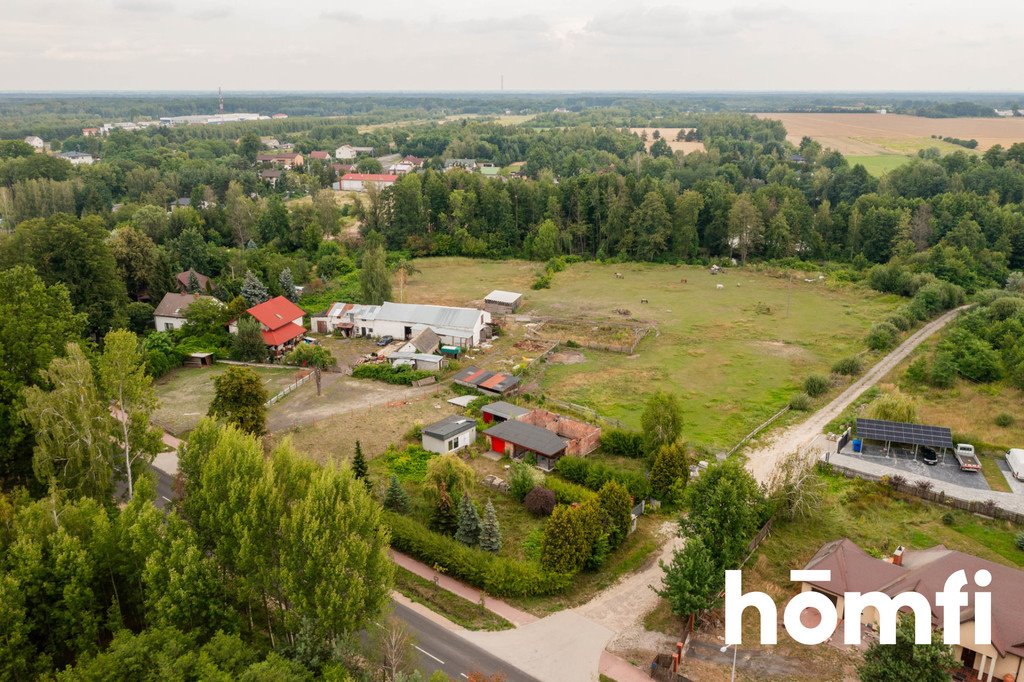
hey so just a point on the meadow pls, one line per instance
(733, 356)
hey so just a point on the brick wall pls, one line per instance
(583, 438)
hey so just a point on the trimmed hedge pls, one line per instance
(593, 475)
(390, 375)
(623, 443)
(497, 575)
(566, 492)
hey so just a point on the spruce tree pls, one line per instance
(193, 283)
(359, 467)
(490, 530)
(253, 290)
(469, 522)
(288, 285)
(445, 519)
(395, 498)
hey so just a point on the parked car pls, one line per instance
(929, 455)
(385, 340)
(964, 454)
(1015, 458)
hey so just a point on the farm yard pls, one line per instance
(669, 135)
(733, 356)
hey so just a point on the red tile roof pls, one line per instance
(319, 155)
(276, 313)
(286, 333)
(370, 177)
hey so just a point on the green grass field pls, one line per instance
(730, 365)
(879, 164)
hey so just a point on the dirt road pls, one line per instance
(798, 438)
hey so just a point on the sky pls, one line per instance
(537, 45)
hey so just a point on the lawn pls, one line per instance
(453, 607)
(879, 164)
(185, 393)
(730, 365)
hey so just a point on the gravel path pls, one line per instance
(799, 437)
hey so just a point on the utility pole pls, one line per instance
(220, 100)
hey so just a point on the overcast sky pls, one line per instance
(537, 45)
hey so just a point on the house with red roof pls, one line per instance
(281, 321)
(357, 182)
(319, 155)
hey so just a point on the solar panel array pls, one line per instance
(908, 434)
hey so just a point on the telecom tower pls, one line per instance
(220, 99)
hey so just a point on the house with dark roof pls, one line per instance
(170, 314)
(281, 322)
(485, 381)
(182, 280)
(518, 440)
(500, 411)
(270, 175)
(425, 341)
(925, 572)
(449, 434)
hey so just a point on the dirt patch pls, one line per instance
(781, 349)
(568, 357)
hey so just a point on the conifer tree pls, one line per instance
(395, 498)
(469, 522)
(288, 285)
(490, 530)
(193, 283)
(445, 519)
(359, 467)
(253, 290)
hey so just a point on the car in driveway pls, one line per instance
(385, 340)
(929, 455)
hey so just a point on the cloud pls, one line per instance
(344, 16)
(212, 12)
(141, 6)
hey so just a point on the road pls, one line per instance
(764, 461)
(441, 649)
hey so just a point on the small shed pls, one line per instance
(424, 361)
(449, 434)
(485, 381)
(199, 360)
(516, 439)
(501, 411)
(502, 302)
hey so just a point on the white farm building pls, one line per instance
(463, 327)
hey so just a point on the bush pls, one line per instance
(918, 371)
(1004, 420)
(900, 321)
(948, 519)
(566, 492)
(1020, 540)
(800, 402)
(816, 385)
(943, 372)
(542, 282)
(623, 443)
(851, 366)
(882, 336)
(409, 463)
(540, 501)
(390, 375)
(593, 475)
(521, 480)
(498, 575)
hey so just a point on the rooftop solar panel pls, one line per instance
(908, 434)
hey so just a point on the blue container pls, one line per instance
(856, 444)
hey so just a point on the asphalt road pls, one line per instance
(164, 487)
(441, 649)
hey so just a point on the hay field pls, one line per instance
(730, 365)
(872, 134)
(669, 135)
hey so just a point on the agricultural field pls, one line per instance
(875, 134)
(880, 164)
(669, 135)
(733, 356)
(185, 393)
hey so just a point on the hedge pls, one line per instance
(623, 443)
(591, 474)
(497, 575)
(389, 374)
(566, 492)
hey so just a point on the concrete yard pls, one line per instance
(904, 460)
(1015, 485)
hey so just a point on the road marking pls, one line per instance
(166, 499)
(422, 651)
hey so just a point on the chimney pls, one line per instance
(897, 556)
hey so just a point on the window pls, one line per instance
(453, 443)
(168, 326)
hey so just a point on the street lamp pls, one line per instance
(723, 650)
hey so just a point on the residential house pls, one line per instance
(35, 142)
(502, 302)
(449, 434)
(357, 182)
(319, 155)
(270, 142)
(182, 279)
(77, 158)
(925, 572)
(170, 314)
(485, 381)
(429, 362)
(270, 175)
(489, 170)
(90, 132)
(281, 321)
(414, 161)
(501, 411)
(426, 341)
(347, 151)
(181, 202)
(400, 168)
(517, 440)
(286, 160)
(465, 164)
(342, 168)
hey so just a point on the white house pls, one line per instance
(400, 168)
(450, 434)
(357, 182)
(35, 141)
(77, 158)
(170, 314)
(347, 151)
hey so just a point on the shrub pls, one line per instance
(851, 366)
(900, 321)
(1020, 540)
(498, 575)
(623, 443)
(943, 372)
(948, 519)
(540, 501)
(390, 375)
(882, 336)
(918, 371)
(593, 475)
(895, 406)
(521, 480)
(800, 402)
(816, 385)
(566, 492)
(409, 463)
(542, 282)
(1004, 420)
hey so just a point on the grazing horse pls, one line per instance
(618, 275)
(719, 286)
(643, 300)
(682, 281)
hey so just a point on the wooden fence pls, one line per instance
(771, 420)
(289, 388)
(589, 413)
(985, 508)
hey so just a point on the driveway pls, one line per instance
(1015, 485)
(903, 460)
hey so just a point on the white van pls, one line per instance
(1015, 458)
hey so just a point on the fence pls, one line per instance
(591, 414)
(759, 429)
(289, 388)
(986, 508)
